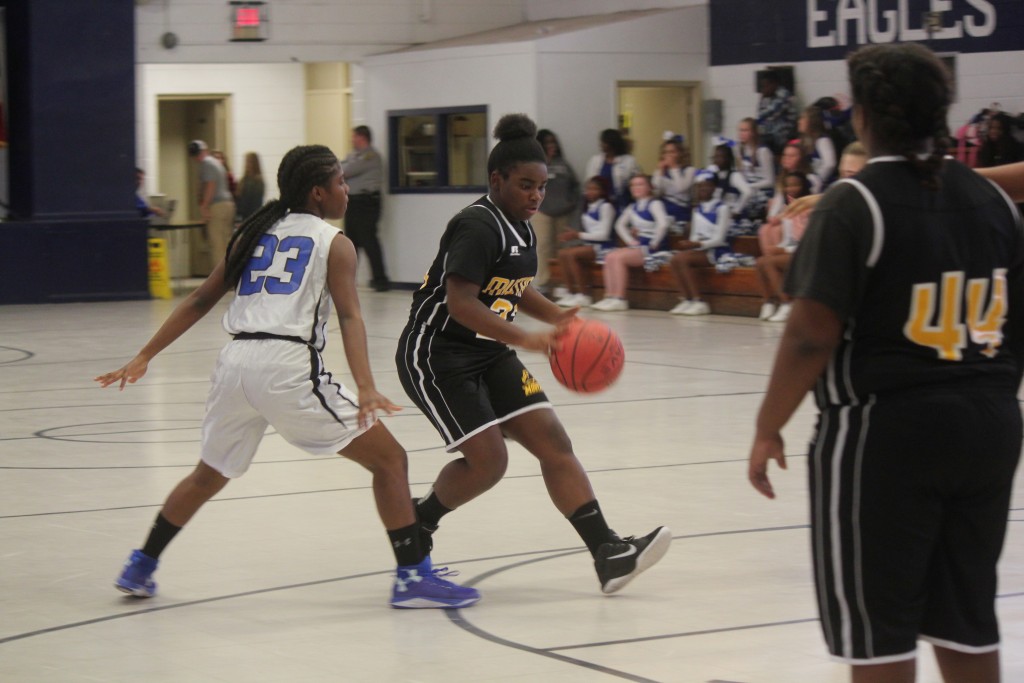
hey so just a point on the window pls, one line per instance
(438, 150)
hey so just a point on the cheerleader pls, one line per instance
(709, 239)
(583, 247)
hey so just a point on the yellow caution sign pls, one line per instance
(159, 269)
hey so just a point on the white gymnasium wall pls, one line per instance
(982, 78)
(578, 72)
(503, 77)
(311, 30)
(565, 82)
(268, 114)
(539, 10)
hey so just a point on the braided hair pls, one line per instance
(301, 169)
(517, 143)
(905, 92)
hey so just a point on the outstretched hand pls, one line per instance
(766, 447)
(370, 401)
(801, 205)
(131, 373)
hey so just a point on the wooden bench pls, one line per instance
(733, 293)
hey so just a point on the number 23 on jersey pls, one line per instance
(292, 256)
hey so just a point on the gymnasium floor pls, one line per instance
(285, 575)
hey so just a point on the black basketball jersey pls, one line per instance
(930, 283)
(483, 246)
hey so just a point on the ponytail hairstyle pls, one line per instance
(904, 92)
(517, 143)
(301, 169)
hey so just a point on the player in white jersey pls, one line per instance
(287, 266)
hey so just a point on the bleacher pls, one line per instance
(733, 293)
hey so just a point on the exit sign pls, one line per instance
(248, 21)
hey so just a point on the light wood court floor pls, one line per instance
(285, 575)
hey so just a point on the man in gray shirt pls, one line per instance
(216, 203)
(364, 173)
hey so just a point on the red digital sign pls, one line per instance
(248, 20)
(247, 17)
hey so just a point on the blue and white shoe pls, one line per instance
(137, 576)
(423, 586)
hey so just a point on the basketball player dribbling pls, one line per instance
(909, 323)
(456, 364)
(286, 266)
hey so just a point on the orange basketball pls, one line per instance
(590, 358)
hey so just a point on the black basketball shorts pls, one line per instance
(909, 505)
(462, 388)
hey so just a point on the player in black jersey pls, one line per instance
(456, 364)
(909, 323)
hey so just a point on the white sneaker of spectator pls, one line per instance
(681, 307)
(611, 303)
(698, 307)
(569, 300)
(781, 315)
(767, 310)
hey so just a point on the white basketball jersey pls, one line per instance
(283, 289)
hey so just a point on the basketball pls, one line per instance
(590, 358)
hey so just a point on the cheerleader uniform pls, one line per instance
(597, 223)
(674, 190)
(710, 227)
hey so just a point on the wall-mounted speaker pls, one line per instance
(711, 116)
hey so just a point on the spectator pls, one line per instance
(561, 201)
(774, 259)
(643, 228)
(216, 203)
(757, 164)
(583, 247)
(817, 144)
(731, 187)
(999, 146)
(776, 114)
(251, 188)
(615, 164)
(219, 156)
(141, 201)
(364, 171)
(708, 240)
(673, 180)
(854, 158)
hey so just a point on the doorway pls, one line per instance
(181, 118)
(649, 108)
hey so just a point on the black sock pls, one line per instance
(430, 510)
(159, 536)
(590, 525)
(405, 542)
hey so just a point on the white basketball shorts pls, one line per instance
(282, 383)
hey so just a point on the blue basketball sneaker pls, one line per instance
(423, 586)
(137, 576)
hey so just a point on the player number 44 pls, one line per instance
(948, 335)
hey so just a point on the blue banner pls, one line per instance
(774, 31)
